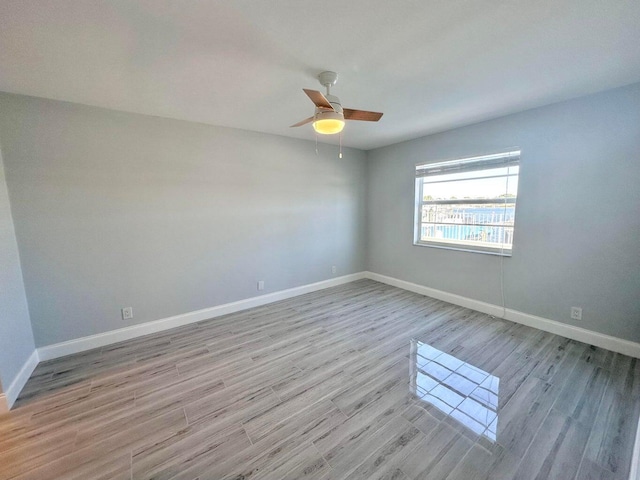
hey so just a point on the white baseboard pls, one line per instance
(11, 394)
(439, 294)
(101, 339)
(597, 339)
(634, 474)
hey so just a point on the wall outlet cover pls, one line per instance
(127, 313)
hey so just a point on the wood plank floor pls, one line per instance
(361, 381)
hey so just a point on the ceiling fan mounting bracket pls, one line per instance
(328, 79)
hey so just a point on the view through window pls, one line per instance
(468, 203)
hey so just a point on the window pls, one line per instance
(469, 203)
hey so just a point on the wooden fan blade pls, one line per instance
(303, 122)
(350, 114)
(318, 99)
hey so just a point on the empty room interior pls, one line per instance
(286, 239)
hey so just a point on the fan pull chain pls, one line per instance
(340, 155)
(316, 143)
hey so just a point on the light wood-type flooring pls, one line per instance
(360, 381)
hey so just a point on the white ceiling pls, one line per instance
(428, 65)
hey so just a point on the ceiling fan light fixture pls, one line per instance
(328, 122)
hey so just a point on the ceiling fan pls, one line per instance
(329, 117)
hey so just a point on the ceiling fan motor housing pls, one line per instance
(335, 102)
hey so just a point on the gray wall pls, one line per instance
(16, 338)
(577, 239)
(114, 209)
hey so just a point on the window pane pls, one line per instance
(478, 235)
(470, 214)
(473, 188)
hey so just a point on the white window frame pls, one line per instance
(463, 165)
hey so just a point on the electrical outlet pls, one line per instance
(261, 285)
(576, 313)
(334, 269)
(127, 313)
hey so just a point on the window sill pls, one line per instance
(463, 248)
